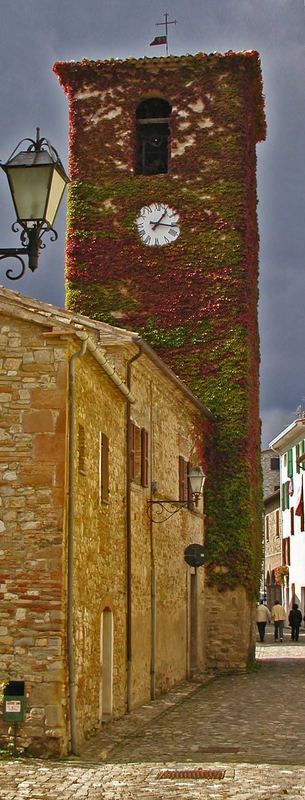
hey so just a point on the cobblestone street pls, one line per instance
(239, 736)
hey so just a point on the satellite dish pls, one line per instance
(194, 555)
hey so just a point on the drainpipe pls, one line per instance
(70, 548)
(128, 535)
(153, 593)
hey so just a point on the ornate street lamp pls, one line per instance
(37, 181)
(162, 510)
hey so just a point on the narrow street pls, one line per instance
(239, 736)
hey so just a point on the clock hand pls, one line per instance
(167, 224)
(158, 223)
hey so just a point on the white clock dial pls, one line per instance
(158, 224)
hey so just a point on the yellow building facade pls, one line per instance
(99, 611)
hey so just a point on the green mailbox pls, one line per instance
(14, 701)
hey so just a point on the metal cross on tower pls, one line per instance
(166, 24)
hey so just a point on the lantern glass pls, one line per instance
(57, 188)
(196, 478)
(37, 184)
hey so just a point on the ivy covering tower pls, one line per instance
(162, 239)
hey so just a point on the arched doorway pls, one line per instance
(106, 665)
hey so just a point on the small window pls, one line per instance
(104, 468)
(274, 463)
(81, 449)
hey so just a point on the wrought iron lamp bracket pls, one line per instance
(31, 239)
(164, 509)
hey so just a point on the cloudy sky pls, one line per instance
(36, 33)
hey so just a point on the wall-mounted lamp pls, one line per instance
(37, 181)
(162, 510)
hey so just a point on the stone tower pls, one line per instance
(162, 239)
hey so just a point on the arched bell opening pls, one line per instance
(152, 136)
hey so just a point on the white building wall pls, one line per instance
(292, 524)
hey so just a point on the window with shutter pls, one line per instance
(183, 480)
(135, 446)
(131, 450)
(290, 463)
(284, 561)
(288, 552)
(297, 454)
(104, 468)
(144, 457)
(190, 500)
(292, 521)
(81, 449)
(277, 524)
(285, 495)
(137, 454)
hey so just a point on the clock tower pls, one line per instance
(162, 239)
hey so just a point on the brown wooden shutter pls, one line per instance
(292, 521)
(267, 529)
(277, 523)
(137, 439)
(104, 467)
(288, 551)
(190, 501)
(132, 450)
(182, 479)
(284, 561)
(144, 457)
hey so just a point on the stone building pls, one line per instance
(99, 611)
(271, 472)
(162, 239)
(272, 526)
(272, 548)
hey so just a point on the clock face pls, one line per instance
(158, 224)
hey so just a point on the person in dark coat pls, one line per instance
(295, 619)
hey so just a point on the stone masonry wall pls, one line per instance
(229, 630)
(32, 461)
(172, 424)
(99, 544)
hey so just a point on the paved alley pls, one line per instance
(239, 736)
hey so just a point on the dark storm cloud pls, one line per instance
(35, 33)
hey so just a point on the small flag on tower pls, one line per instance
(159, 40)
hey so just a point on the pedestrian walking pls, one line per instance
(262, 617)
(295, 619)
(278, 615)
